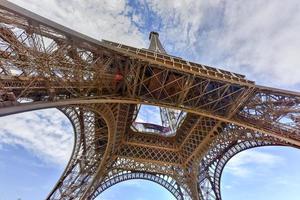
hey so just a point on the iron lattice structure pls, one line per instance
(99, 85)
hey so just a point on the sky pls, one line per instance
(257, 38)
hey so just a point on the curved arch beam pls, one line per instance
(163, 180)
(91, 137)
(212, 165)
(41, 105)
(72, 118)
(105, 161)
(243, 146)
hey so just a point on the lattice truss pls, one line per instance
(99, 84)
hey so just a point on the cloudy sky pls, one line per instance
(258, 38)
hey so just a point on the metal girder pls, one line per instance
(99, 85)
(279, 133)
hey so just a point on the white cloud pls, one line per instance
(228, 187)
(107, 19)
(180, 20)
(257, 38)
(46, 133)
(149, 114)
(261, 38)
(250, 162)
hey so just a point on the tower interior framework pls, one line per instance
(100, 86)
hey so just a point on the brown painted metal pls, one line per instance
(43, 65)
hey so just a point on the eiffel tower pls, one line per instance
(208, 115)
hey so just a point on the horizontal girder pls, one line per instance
(280, 132)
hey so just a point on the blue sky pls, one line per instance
(257, 38)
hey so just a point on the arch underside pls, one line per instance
(221, 151)
(163, 180)
(53, 66)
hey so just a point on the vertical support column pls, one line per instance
(119, 113)
(87, 154)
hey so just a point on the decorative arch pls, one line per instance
(214, 162)
(165, 181)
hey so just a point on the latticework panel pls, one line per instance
(273, 111)
(147, 153)
(149, 140)
(201, 129)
